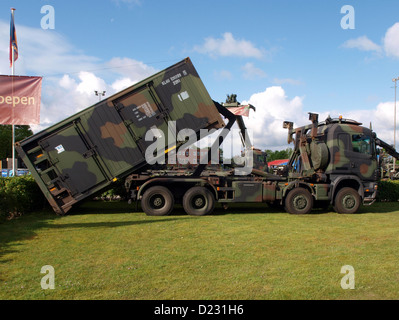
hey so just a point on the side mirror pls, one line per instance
(288, 125)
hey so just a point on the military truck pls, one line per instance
(83, 154)
(334, 162)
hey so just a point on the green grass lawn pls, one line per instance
(108, 251)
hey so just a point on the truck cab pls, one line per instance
(260, 160)
(338, 152)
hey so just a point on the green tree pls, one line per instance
(21, 132)
(278, 154)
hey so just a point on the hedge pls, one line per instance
(19, 195)
(388, 191)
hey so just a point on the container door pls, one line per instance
(142, 111)
(116, 149)
(73, 159)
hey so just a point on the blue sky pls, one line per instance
(290, 57)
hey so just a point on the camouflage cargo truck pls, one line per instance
(83, 154)
(334, 162)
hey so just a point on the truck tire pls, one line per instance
(198, 201)
(157, 201)
(347, 201)
(299, 201)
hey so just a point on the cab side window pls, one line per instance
(361, 143)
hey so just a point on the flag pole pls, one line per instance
(13, 127)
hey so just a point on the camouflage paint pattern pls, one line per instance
(327, 157)
(331, 150)
(84, 153)
(346, 158)
(321, 176)
(247, 191)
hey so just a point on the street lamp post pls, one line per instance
(99, 94)
(394, 128)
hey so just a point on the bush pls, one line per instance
(117, 190)
(19, 195)
(388, 191)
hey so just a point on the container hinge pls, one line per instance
(119, 106)
(54, 161)
(89, 153)
(64, 177)
(165, 114)
(44, 144)
(127, 122)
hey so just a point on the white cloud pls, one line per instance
(389, 46)
(265, 125)
(67, 82)
(69, 76)
(272, 108)
(251, 72)
(229, 46)
(49, 53)
(66, 96)
(133, 69)
(381, 118)
(362, 43)
(391, 41)
(63, 97)
(121, 84)
(89, 83)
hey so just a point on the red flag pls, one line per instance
(20, 100)
(240, 111)
(13, 40)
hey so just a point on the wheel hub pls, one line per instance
(348, 202)
(300, 202)
(199, 202)
(157, 202)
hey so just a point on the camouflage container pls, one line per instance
(83, 154)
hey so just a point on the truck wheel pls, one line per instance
(347, 201)
(299, 201)
(157, 201)
(198, 201)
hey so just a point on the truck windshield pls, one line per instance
(361, 143)
(260, 159)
